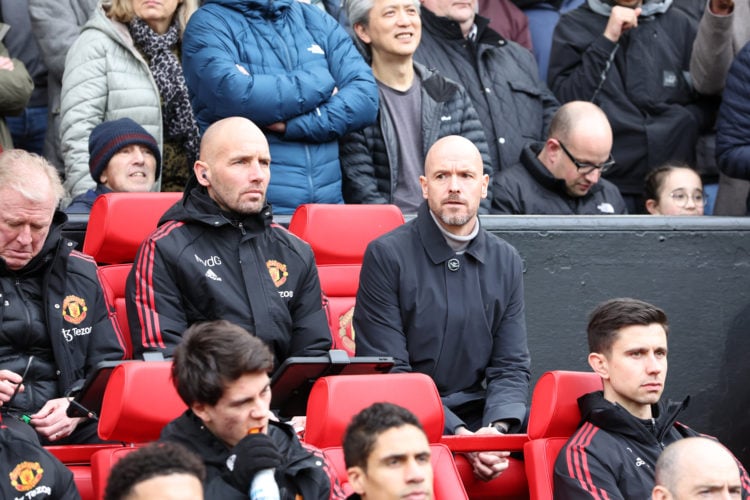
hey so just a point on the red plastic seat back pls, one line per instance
(553, 418)
(119, 222)
(113, 280)
(541, 455)
(446, 482)
(335, 400)
(339, 235)
(101, 466)
(554, 403)
(139, 401)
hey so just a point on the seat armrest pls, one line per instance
(501, 442)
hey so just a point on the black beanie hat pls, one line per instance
(108, 138)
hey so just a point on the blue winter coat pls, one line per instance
(281, 61)
(733, 124)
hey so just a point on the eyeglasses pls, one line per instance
(586, 168)
(681, 198)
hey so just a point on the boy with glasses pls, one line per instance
(562, 176)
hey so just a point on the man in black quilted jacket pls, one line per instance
(382, 163)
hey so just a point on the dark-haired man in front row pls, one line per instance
(387, 455)
(163, 471)
(613, 453)
(221, 373)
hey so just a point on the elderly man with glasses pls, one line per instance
(563, 176)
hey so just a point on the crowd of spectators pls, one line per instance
(342, 130)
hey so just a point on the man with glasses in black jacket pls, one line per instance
(562, 176)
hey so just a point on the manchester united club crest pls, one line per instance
(74, 309)
(278, 272)
(26, 475)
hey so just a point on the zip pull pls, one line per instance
(242, 228)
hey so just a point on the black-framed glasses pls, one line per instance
(585, 167)
(681, 198)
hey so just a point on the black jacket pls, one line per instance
(29, 471)
(369, 156)
(54, 309)
(201, 264)
(465, 328)
(303, 472)
(643, 85)
(530, 188)
(501, 78)
(614, 452)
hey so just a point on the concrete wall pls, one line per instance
(696, 269)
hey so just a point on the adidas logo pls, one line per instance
(212, 275)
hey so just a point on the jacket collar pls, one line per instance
(434, 242)
(443, 27)
(542, 175)
(616, 419)
(197, 206)
(648, 9)
(439, 88)
(267, 8)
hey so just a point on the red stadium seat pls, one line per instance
(117, 225)
(119, 222)
(139, 401)
(339, 235)
(335, 400)
(553, 418)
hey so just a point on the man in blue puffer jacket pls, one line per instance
(291, 69)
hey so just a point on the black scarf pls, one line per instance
(177, 114)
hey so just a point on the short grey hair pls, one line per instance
(358, 11)
(22, 172)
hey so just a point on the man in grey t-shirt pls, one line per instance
(382, 163)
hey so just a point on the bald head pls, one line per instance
(455, 147)
(579, 117)
(693, 467)
(580, 138)
(227, 131)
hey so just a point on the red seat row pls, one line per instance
(338, 235)
(140, 400)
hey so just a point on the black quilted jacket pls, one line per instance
(368, 156)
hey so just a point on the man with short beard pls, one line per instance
(217, 255)
(445, 297)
